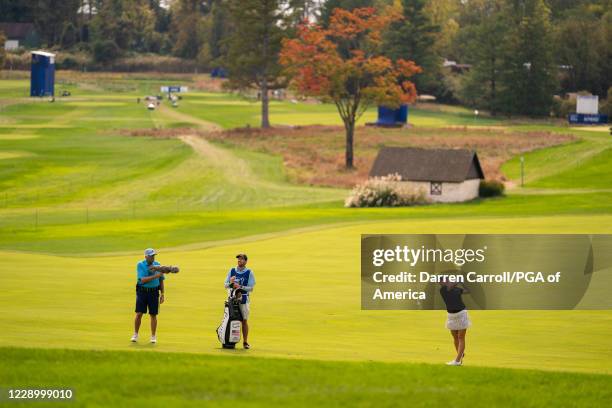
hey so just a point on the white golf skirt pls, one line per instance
(458, 321)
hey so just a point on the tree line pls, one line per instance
(505, 56)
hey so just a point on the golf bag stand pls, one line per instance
(230, 328)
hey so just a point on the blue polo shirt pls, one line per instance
(142, 269)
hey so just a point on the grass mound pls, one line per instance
(147, 379)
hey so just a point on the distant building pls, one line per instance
(17, 34)
(455, 67)
(445, 175)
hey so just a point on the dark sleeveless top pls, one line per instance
(452, 299)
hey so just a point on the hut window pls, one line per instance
(435, 188)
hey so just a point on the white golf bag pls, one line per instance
(229, 330)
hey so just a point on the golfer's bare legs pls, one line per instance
(153, 324)
(461, 345)
(137, 321)
(245, 331)
(455, 339)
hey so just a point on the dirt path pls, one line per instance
(175, 114)
(232, 166)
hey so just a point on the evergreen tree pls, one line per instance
(16, 11)
(54, 18)
(529, 73)
(606, 59)
(330, 5)
(121, 25)
(163, 18)
(414, 37)
(217, 27)
(579, 48)
(444, 14)
(253, 48)
(484, 39)
(2, 52)
(187, 28)
(220, 29)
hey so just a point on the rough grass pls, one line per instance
(103, 379)
(315, 155)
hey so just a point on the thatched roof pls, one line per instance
(413, 164)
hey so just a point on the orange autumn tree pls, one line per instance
(343, 63)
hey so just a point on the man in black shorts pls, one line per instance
(149, 293)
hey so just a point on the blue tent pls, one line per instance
(218, 73)
(42, 78)
(392, 117)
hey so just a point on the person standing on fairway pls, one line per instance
(149, 293)
(241, 277)
(458, 320)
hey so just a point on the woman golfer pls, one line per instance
(458, 320)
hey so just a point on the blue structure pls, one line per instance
(42, 78)
(392, 117)
(218, 73)
(587, 119)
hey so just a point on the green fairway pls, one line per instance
(73, 182)
(103, 379)
(86, 185)
(93, 297)
(593, 172)
(582, 164)
(96, 230)
(88, 164)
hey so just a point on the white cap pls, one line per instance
(150, 252)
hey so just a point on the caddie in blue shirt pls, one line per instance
(149, 293)
(241, 277)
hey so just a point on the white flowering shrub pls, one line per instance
(387, 191)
